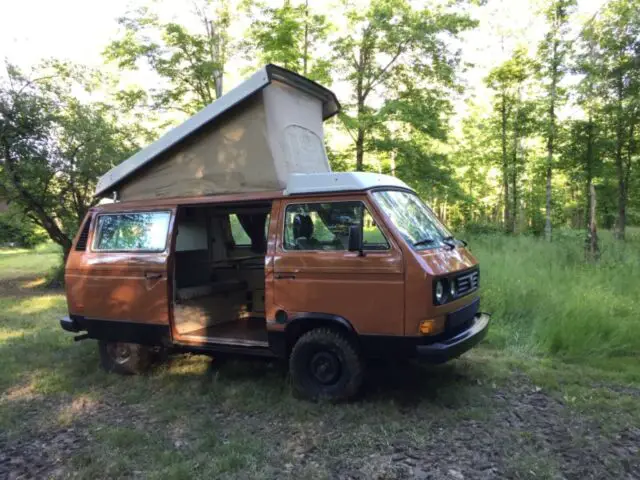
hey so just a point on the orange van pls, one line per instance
(333, 270)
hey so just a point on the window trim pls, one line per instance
(392, 224)
(281, 242)
(137, 250)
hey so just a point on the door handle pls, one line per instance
(282, 276)
(152, 275)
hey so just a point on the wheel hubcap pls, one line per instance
(120, 353)
(325, 367)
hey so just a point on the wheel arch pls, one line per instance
(299, 324)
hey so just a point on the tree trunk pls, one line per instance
(589, 169)
(305, 55)
(622, 196)
(505, 164)
(514, 170)
(360, 149)
(550, 145)
(360, 114)
(593, 250)
(392, 161)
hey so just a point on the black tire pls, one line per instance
(125, 358)
(325, 365)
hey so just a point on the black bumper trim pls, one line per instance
(69, 324)
(118, 331)
(441, 352)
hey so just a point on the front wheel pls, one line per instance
(124, 358)
(324, 364)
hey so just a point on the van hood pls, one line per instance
(441, 261)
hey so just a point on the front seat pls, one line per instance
(303, 232)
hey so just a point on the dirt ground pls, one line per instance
(487, 415)
(515, 430)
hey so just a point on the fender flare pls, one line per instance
(297, 319)
(299, 323)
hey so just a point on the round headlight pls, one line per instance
(452, 289)
(439, 292)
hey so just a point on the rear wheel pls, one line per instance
(125, 358)
(324, 364)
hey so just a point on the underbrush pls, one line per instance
(545, 298)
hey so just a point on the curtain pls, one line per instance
(254, 225)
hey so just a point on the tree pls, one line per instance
(509, 80)
(190, 65)
(552, 57)
(53, 147)
(616, 39)
(289, 36)
(393, 52)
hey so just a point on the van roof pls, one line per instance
(298, 184)
(225, 104)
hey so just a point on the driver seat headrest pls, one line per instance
(302, 226)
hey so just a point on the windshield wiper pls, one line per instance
(424, 241)
(450, 241)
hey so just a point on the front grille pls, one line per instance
(467, 282)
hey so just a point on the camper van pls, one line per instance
(231, 235)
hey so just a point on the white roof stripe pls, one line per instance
(299, 183)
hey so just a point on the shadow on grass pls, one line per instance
(57, 364)
(26, 286)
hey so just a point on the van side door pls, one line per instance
(314, 273)
(119, 285)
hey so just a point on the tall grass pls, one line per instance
(546, 299)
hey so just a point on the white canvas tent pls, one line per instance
(250, 139)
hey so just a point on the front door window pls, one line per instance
(325, 226)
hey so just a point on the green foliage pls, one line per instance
(53, 147)
(545, 299)
(190, 64)
(417, 73)
(19, 231)
(289, 36)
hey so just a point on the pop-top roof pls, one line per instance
(299, 183)
(243, 92)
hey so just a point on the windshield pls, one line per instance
(417, 223)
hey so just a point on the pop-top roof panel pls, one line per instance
(225, 104)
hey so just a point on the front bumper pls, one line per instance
(455, 346)
(69, 324)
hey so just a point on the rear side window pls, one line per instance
(132, 232)
(325, 226)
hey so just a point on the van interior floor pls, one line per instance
(249, 332)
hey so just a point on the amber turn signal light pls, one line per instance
(427, 327)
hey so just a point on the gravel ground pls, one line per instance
(512, 430)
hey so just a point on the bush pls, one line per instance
(481, 228)
(16, 231)
(545, 298)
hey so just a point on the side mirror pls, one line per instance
(355, 239)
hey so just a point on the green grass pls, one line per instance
(27, 263)
(547, 299)
(191, 418)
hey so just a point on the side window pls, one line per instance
(325, 226)
(240, 236)
(132, 231)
